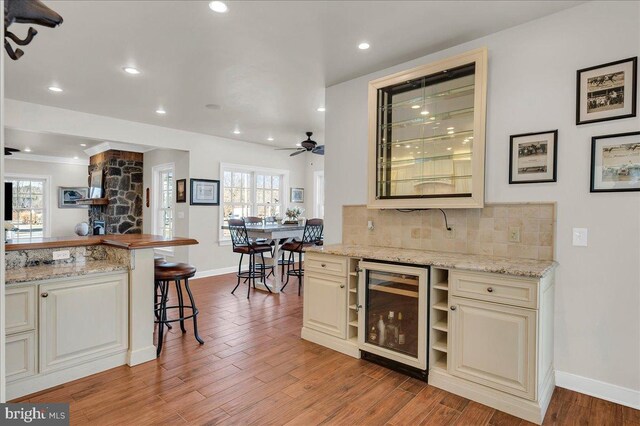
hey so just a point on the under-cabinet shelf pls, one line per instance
(353, 323)
(441, 363)
(393, 290)
(353, 307)
(353, 274)
(442, 326)
(441, 345)
(441, 306)
(442, 286)
(353, 290)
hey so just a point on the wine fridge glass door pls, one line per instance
(394, 311)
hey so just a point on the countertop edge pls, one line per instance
(475, 264)
(100, 240)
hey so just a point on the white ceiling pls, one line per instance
(265, 62)
(48, 144)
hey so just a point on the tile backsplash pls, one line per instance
(17, 259)
(475, 231)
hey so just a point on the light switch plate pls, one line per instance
(580, 236)
(61, 255)
(370, 225)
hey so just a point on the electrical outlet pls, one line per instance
(514, 234)
(580, 237)
(370, 225)
(61, 255)
(450, 234)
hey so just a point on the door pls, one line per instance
(494, 345)
(82, 320)
(394, 324)
(325, 303)
(20, 305)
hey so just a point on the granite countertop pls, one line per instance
(469, 262)
(126, 241)
(46, 272)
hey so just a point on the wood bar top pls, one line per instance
(125, 241)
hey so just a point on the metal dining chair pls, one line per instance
(242, 245)
(311, 236)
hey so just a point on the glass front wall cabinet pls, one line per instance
(426, 135)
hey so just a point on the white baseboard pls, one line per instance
(215, 272)
(598, 389)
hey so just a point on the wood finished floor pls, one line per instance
(255, 369)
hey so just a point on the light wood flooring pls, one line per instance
(255, 369)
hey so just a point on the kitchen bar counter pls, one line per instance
(127, 241)
(469, 262)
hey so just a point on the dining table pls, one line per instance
(273, 232)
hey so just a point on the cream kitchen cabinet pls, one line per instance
(325, 304)
(82, 320)
(20, 350)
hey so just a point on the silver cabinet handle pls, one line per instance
(341, 285)
(358, 307)
(323, 265)
(45, 294)
(490, 290)
(453, 308)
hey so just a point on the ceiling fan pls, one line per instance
(307, 145)
(10, 151)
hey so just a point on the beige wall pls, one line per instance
(61, 221)
(531, 87)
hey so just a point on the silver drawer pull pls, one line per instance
(341, 285)
(490, 290)
(453, 308)
(45, 294)
(323, 265)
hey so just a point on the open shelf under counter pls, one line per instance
(441, 306)
(440, 345)
(442, 286)
(441, 326)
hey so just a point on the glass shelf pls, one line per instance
(421, 100)
(455, 135)
(427, 119)
(420, 160)
(424, 179)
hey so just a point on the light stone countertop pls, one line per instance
(468, 262)
(63, 270)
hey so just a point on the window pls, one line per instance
(250, 191)
(30, 209)
(163, 207)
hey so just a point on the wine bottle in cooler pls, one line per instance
(381, 331)
(401, 335)
(392, 331)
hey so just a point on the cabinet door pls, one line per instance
(20, 309)
(494, 345)
(325, 303)
(81, 320)
(20, 355)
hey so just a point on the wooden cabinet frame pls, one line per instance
(476, 200)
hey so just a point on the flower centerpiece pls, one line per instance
(292, 214)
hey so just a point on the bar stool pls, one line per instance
(158, 260)
(178, 273)
(310, 237)
(282, 262)
(242, 245)
(254, 220)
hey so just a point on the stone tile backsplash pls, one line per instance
(475, 231)
(16, 259)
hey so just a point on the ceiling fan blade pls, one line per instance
(318, 150)
(287, 149)
(9, 151)
(297, 152)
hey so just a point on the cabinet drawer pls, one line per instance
(495, 288)
(21, 309)
(20, 355)
(334, 265)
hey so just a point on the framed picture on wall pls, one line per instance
(205, 192)
(607, 91)
(615, 162)
(532, 157)
(297, 195)
(69, 195)
(181, 191)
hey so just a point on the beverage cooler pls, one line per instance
(394, 322)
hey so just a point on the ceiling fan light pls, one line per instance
(218, 7)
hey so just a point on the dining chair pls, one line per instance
(311, 236)
(242, 244)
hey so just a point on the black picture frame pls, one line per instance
(181, 191)
(554, 172)
(635, 151)
(197, 198)
(581, 92)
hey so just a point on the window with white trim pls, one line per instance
(29, 207)
(163, 202)
(250, 191)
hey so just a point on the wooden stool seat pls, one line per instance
(174, 271)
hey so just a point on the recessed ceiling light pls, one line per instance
(425, 112)
(27, 150)
(321, 109)
(363, 46)
(55, 89)
(450, 132)
(83, 144)
(236, 132)
(270, 139)
(450, 128)
(75, 158)
(161, 111)
(218, 6)
(449, 149)
(131, 70)
(415, 106)
(407, 146)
